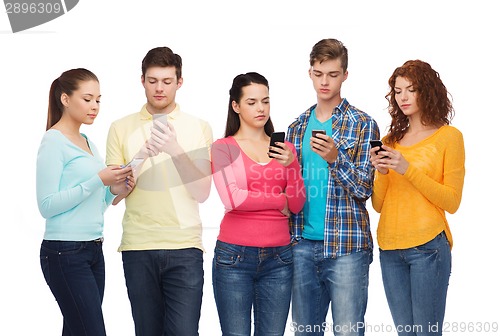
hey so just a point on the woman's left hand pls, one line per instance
(393, 160)
(284, 156)
(124, 188)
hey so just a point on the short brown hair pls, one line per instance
(162, 57)
(329, 49)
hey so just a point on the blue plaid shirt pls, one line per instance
(350, 182)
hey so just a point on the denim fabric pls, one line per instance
(243, 277)
(74, 272)
(165, 289)
(416, 284)
(319, 283)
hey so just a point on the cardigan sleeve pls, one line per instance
(52, 198)
(448, 194)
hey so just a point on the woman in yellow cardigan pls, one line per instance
(420, 175)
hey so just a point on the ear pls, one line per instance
(143, 80)
(236, 107)
(180, 81)
(310, 72)
(65, 99)
(346, 73)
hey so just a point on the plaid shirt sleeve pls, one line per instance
(347, 223)
(295, 134)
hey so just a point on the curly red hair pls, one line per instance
(432, 99)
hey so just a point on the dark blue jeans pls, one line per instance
(165, 288)
(416, 285)
(243, 277)
(320, 283)
(74, 271)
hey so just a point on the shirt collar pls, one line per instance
(145, 115)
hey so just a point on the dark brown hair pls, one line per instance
(67, 83)
(235, 94)
(432, 98)
(162, 57)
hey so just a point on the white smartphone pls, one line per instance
(162, 118)
(134, 163)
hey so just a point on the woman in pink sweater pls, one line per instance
(252, 265)
(421, 178)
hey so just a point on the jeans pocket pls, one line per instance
(61, 248)
(285, 256)
(225, 258)
(432, 246)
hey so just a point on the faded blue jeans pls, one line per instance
(416, 284)
(243, 277)
(165, 289)
(74, 271)
(321, 283)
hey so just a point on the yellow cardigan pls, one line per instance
(412, 205)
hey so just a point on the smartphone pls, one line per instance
(162, 118)
(134, 163)
(314, 132)
(276, 137)
(376, 143)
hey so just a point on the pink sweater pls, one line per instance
(254, 194)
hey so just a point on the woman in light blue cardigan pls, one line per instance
(74, 188)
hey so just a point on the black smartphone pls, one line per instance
(376, 143)
(276, 137)
(314, 132)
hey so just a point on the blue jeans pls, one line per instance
(165, 288)
(74, 271)
(320, 283)
(416, 284)
(243, 277)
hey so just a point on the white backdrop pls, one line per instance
(218, 40)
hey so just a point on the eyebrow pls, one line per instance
(406, 87)
(90, 94)
(330, 72)
(255, 99)
(155, 78)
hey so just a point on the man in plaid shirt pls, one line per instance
(331, 235)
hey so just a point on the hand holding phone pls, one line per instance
(377, 143)
(133, 163)
(276, 137)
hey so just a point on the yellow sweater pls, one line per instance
(412, 205)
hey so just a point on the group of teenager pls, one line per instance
(296, 229)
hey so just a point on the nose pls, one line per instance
(324, 80)
(159, 86)
(404, 95)
(260, 107)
